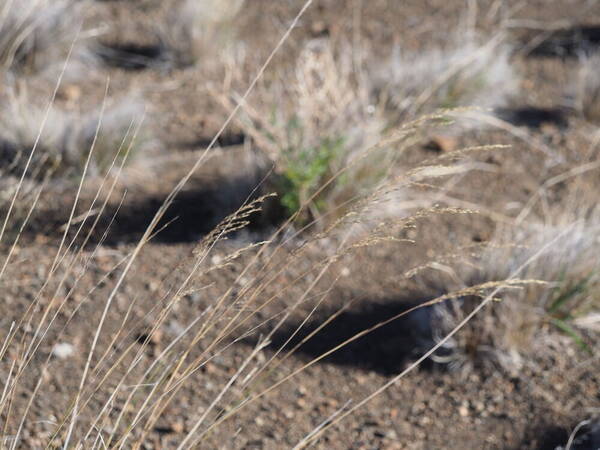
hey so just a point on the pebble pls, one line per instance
(442, 143)
(63, 350)
(424, 421)
(301, 403)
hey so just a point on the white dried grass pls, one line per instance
(468, 71)
(197, 31)
(66, 137)
(321, 104)
(521, 325)
(585, 91)
(37, 35)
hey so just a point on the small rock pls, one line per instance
(69, 93)
(153, 339)
(319, 28)
(210, 368)
(301, 391)
(193, 297)
(63, 350)
(153, 286)
(175, 427)
(392, 435)
(156, 337)
(301, 403)
(424, 421)
(442, 144)
(175, 328)
(361, 379)
(178, 427)
(331, 402)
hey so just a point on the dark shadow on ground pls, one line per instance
(225, 140)
(385, 350)
(194, 213)
(532, 117)
(551, 437)
(544, 437)
(566, 42)
(133, 56)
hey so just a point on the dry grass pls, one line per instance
(37, 35)
(114, 360)
(67, 136)
(468, 71)
(320, 115)
(538, 320)
(324, 127)
(199, 31)
(586, 89)
(144, 389)
(313, 121)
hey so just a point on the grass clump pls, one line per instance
(67, 137)
(37, 35)
(531, 320)
(314, 121)
(467, 72)
(587, 88)
(196, 30)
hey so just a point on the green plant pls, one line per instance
(315, 122)
(569, 299)
(304, 172)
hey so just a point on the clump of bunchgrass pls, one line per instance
(586, 89)
(38, 35)
(313, 120)
(468, 71)
(559, 252)
(67, 136)
(196, 31)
